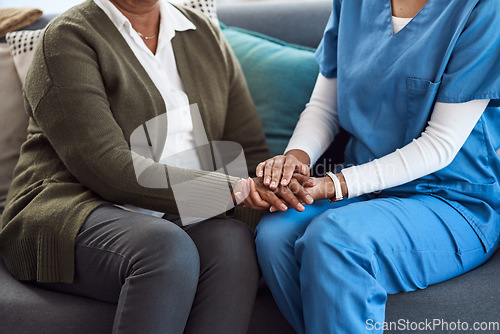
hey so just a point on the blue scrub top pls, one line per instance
(388, 85)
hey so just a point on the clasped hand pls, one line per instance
(282, 182)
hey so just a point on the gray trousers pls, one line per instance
(165, 278)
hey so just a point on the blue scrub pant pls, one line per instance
(331, 267)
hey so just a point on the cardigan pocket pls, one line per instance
(420, 95)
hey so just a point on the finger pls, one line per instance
(305, 169)
(277, 171)
(238, 196)
(241, 190)
(255, 197)
(273, 200)
(300, 192)
(288, 170)
(290, 199)
(249, 204)
(268, 171)
(268, 196)
(305, 181)
(260, 169)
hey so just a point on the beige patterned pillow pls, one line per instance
(13, 120)
(22, 47)
(206, 7)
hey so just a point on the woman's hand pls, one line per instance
(260, 197)
(280, 169)
(299, 185)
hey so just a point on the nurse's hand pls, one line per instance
(325, 189)
(260, 197)
(279, 170)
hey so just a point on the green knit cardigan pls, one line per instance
(85, 94)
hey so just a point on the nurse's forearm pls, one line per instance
(319, 122)
(449, 127)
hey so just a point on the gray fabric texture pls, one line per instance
(471, 297)
(29, 309)
(166, 278)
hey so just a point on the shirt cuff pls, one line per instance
(304, 143)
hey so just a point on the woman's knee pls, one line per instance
(228, 242)
(162, 246)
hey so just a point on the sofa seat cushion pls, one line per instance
(472, 297)
(25, 308)
(469, 298)
(28, 309)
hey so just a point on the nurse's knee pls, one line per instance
(337, 232)
(273, 234)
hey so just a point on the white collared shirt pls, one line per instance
(162, 69)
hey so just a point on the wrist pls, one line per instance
(339, 186)
(323, 188)
(300, 155)
(240, 191)
(343, 184)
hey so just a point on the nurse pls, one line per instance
(417, 85)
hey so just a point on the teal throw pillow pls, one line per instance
(280, 77)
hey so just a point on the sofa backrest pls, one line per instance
(297, 22)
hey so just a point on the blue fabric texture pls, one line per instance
(280, 77)
(472, 70)
(327, 51)
(388, 84)
(331, 267)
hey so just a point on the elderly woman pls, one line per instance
(417, 85)
(79, 219)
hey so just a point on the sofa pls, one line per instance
(455, 306)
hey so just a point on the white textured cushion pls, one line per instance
(22, 46)
(13, 120)
(206, 7)
(15, 58)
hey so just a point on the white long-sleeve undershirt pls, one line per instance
(449, 127)
(319, 122)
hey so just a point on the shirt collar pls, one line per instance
(171, 19)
